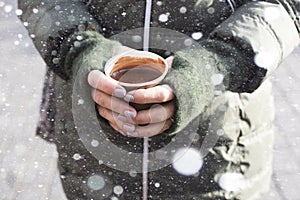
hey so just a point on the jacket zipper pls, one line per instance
(146, 142)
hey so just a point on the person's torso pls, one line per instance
(181, 15)
(115, 17)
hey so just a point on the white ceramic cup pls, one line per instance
(137, 59)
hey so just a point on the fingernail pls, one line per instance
(129, 113)
(132, 134)
(122, 118)
(128, 98)
(119, 92)
(128, 128)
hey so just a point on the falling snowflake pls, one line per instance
(35, 11)
(76, 156)
(211, 10)
(57, 7)
(220, 132)
(55, 60)
(95, 143)
(96, 182)
(76, 44)
(54, 53)
(8, 8)
(188, 42)
(231, 181)
(163, 18)
(81, 27)
(197, 35)
(133, 173)
(183, 10)
(118, 189)
(217, 79)
(136, 38)
(19, 12)
(264, 60)
(79, 37)
(187, 161)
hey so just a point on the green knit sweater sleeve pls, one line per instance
(203, 71)
(90, 50)
(191, 85)
(244, 49)
(91, 53)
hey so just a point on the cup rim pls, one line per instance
(136, 53)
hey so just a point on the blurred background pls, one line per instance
(28, 166)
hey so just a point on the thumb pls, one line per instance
(169, 60)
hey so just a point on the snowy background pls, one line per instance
(28, 164)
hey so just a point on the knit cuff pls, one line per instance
(190, 78)
(89, 50)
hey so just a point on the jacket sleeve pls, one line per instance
(52, 24)
(241, 52)
(269, 30)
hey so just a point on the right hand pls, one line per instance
(108, 95)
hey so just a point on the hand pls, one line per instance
(123, 117)
(108, 95)
(154, 120)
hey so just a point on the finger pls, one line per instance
(169, 60)
(101, 82)
(113, 104)
(113, 119)
(114, 126)
(157, 113)
(157, 94)
(151, 129)
(107, 114)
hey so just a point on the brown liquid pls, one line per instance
(137, 70)
(139, 74)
